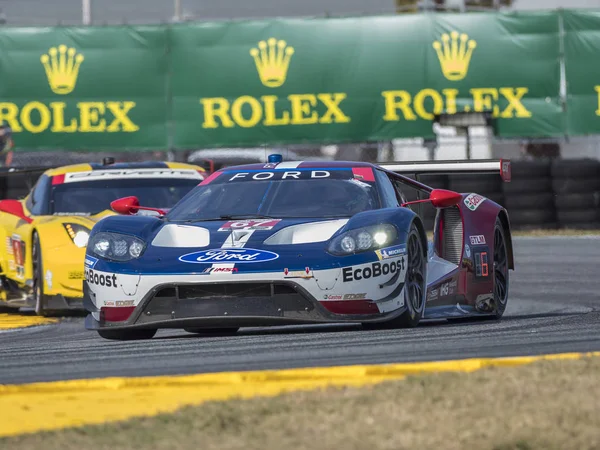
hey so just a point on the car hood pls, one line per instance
(246, 232)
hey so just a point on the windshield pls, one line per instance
(339, 195)
(93, 197)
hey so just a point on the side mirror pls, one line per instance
(14, 207)
(442, 198)
(131, 205)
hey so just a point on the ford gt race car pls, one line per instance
(44, 235)
(299, 243)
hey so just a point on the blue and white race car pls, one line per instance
(296, 243)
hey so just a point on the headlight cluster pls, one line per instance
(363, 239)
(78, 234)
(115, 246)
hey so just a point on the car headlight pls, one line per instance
(78, 234)
(116, 246)
(363, 239)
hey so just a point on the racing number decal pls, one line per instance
(18, 248)
(481, 263)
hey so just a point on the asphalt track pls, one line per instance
(554, 307)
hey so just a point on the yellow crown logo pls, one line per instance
(272, 60)
(455, 56)
(62, 68)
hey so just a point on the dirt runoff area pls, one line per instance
(545, 405)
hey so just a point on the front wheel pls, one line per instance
(127, 335)
(414, 287)
(39, 298)
(500, 270)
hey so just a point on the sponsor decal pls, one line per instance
(467, 251)
(220, 270)
(108, 280)
(433, 295)
(477, 240)
(297, 273)
(355, 296)
(124, 303)
(472, 201)
(9, 248)
(280, 175)
(391, 252)
(18, 250)
(77, 275)
(332, 297)
(251, 224)
(375, 270)
(90, 261)
(232, 255)
(448, 288)
(48, 279)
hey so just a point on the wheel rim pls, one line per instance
(415, 280)
(500, 268)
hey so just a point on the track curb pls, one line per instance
(46, 406)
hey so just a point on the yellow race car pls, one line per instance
(46, 233)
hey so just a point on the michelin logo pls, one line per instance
(90, 261)
(391, 252)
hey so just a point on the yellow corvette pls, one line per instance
(46, 233)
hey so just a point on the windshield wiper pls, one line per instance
(245, 216)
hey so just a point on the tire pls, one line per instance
(232, 330)
(527, 186)
(576, 168)
(415, 289)
(577, 185)
(530, 201)
(568, 218)
(532, 216)
(501, 272)
(39, 298)
(530, 169)
(127, 335)
(570, 202)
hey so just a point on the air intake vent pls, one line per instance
(452, 235)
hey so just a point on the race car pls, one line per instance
(46, 233)
(298, 243)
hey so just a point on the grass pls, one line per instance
(547, 405)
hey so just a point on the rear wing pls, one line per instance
(472, 166)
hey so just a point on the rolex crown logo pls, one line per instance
(455, 55)
(62, 68)
(272, 59)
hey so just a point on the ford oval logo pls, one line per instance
(229, 255)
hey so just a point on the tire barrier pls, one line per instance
(576, 185)
(529, 198)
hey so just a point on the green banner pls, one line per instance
(84, 88)
(358, 79)
(582, 53)
(273, 82)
